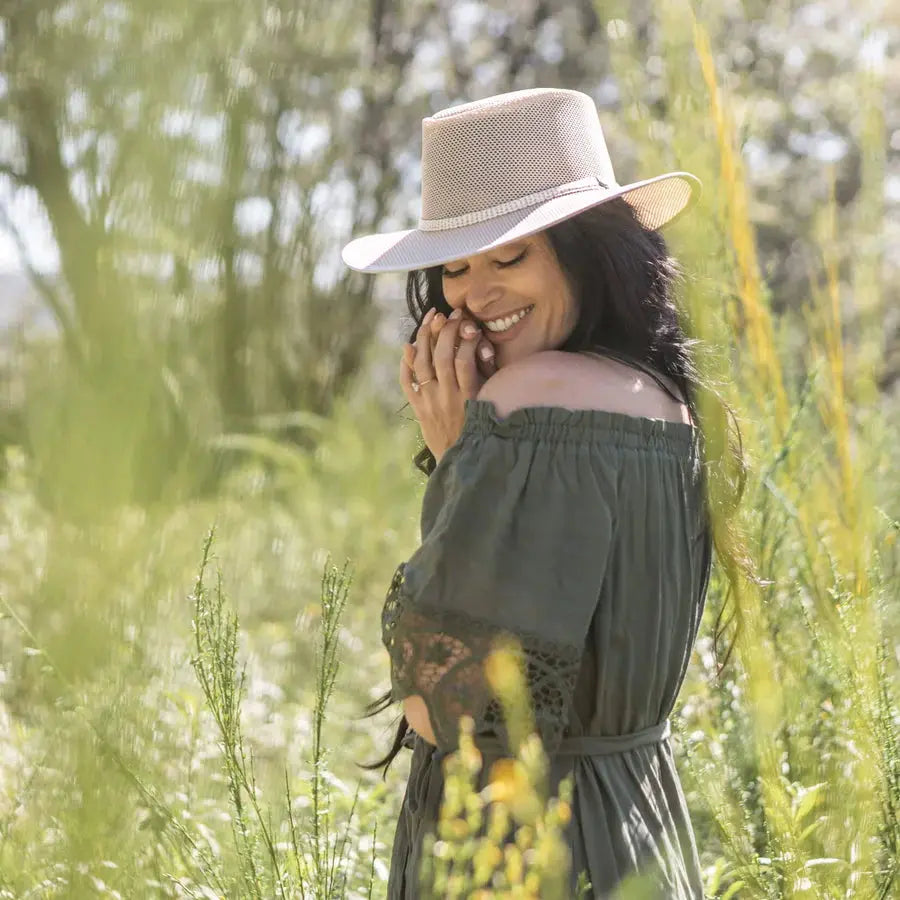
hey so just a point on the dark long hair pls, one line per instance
(626, 284)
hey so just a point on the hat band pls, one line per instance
(481, 215)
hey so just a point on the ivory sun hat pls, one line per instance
(507, 166)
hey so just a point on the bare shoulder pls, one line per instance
(578, 381)
(529, 381)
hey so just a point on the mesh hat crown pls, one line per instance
(499, 169)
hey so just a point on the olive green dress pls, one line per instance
(584, 534)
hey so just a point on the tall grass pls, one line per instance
(138, 764)
(806, 807)
(789, 759)
(310, 859)
(119, 769)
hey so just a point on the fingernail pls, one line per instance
(486, 352)
(469, 330)
(456, 313)
(429, 315)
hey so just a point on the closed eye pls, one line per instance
(503, 265)
(512, 262)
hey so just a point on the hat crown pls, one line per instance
(493, 154)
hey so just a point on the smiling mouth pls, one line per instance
(504, 323)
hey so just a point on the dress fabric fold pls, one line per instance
(582, 534)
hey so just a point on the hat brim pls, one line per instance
(657, 202)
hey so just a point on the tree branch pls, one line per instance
(20, 178)
(52, 296)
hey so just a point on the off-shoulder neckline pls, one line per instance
(481, 416)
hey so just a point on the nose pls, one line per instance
(482, 294)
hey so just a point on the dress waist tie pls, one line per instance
(426, 788)
(591, 744)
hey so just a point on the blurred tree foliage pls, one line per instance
(199, 166)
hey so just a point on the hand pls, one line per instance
(447, 376)
(469, 329)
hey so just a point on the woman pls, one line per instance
(567, 495)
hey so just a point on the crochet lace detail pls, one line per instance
(440, 654)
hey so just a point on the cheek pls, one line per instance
(452, 295)
(560, 306)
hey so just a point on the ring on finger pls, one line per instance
(420, 381)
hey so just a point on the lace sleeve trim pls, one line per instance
(439, 654)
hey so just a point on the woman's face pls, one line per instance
(522, 276)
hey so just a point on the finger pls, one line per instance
(426, 319)
(486, 356)
(406, 382)
(445, 354)
(423, 366)
(437, 322)
(434, 326)
(467, 374)
(425, 324)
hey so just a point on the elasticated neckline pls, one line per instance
(562, 423)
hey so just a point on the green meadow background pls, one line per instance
(206, 476)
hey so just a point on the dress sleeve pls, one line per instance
(516, 531)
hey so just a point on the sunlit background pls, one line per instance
(181, 349)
